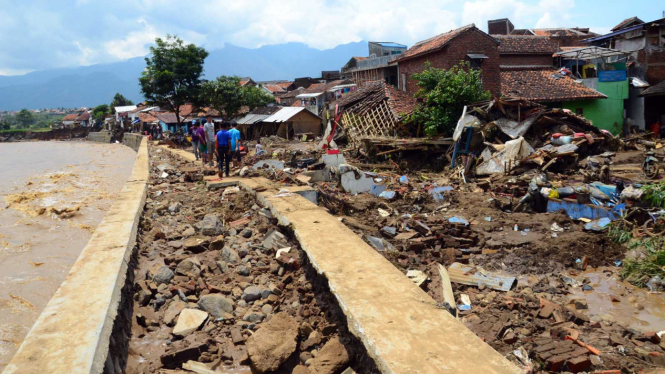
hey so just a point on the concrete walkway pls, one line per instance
(73, 332)
(398, 323)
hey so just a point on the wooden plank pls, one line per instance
(446, 286)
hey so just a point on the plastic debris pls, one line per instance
(404, 179)
(597, 225)
(457, 219)
(383, 213)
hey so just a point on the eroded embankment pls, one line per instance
(219, 284)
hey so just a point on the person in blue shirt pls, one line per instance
(235, 141)
(223, 148)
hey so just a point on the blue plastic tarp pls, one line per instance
(577, 211)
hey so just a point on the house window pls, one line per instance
(476, 60)
(404, 82)
(579, 111)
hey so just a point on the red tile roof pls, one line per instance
(544, 85)
(373, 93)
(436, 43)
(284, 85)
(273, 88)
(525, 44)
(147, 118)
(70, 117)
(246, 81)
(85, 116)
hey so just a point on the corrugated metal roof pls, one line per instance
(308, 95)
(251, 119)
(122, 109)
(285, 114)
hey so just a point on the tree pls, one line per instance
(227, 96)
(25, 118)
(445, 93)
(118, 100)
(172, 76)
(101, 110)
(254, 97)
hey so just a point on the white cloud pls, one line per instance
(547, 13)
(135, 43)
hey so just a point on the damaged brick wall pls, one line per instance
(452, 54)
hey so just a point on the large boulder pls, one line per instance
(216, 304)
(211, 225)
(332, 358)
(273, 343)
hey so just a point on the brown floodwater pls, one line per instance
(618, 301)
(54, 195)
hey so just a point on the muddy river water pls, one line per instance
(54, 195)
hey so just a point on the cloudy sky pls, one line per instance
(43, 34)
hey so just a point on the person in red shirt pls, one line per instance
(655, 129)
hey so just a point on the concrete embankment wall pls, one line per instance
(133, 141)
(85, 326)
(101, 137)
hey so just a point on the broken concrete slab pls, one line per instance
(354, 180)
(333, 160)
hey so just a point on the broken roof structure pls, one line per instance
(544, 85)
(375, 110)
(590, 53)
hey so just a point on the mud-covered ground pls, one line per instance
(568, 312)
(219, 284)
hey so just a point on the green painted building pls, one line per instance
(606, 113)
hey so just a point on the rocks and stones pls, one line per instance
(389, 232)
(266, 309)
(332, 358)
(254, 317)
(173, 310)
(314, 339)
(581, 304)
(275, 240)
(211, 225)
(216, 304)
(252, 293)
(273, 343)
(175, 207)
(217, 243)
(162, 274)
(242, 270)
(230, 255)
(196, 244)
(190, 267)
(189, 321)
(184, 350)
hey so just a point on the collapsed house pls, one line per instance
(519, 135)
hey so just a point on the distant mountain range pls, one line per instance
(96, 84)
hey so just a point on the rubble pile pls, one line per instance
(219, 286)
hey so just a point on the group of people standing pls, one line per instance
(225, 143)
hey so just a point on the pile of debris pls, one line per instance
(219, 286)
(518, 135)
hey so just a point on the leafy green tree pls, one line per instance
(25, 118)
(227, 96)
(445, 93)
(5, 124)
(172, 76)
(119, 100)
(254, 97)
(100, 111)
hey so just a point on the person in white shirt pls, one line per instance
(209, 128)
